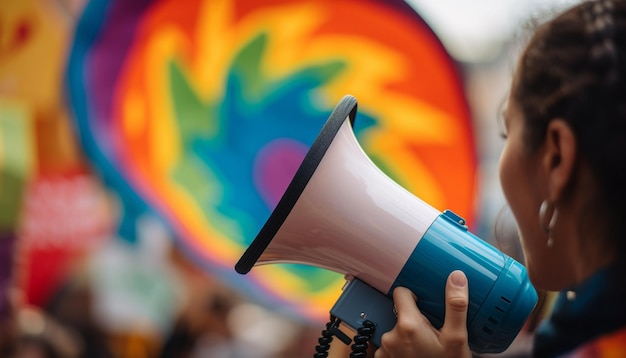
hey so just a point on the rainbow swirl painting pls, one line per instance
(201, 111)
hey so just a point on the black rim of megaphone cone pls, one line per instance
(346, 108)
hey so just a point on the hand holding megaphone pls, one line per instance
(449, 341)
(340, 212)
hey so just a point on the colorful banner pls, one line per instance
(202, 110)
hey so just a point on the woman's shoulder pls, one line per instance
(591, 322)
(612, 344)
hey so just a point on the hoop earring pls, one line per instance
(547, 228)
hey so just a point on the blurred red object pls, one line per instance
(64, 218)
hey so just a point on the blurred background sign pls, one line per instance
(200, 112)
(49, 197)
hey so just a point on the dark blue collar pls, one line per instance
(597, 309)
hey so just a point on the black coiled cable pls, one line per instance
(364, 334)
(361, 339)
(321, 350)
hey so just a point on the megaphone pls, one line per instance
(342, 213)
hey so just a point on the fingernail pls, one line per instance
(458, 279)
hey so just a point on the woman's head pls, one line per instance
(566, 124)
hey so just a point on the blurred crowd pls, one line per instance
(206, 319)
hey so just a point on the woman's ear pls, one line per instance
(559, 157)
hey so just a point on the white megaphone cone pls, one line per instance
(342, 213)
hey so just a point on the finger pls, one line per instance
(408, 314)
(457, 301)
(404, 300)
(379, 353)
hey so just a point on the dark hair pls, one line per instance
(573, 68)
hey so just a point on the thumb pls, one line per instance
(457, 301)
